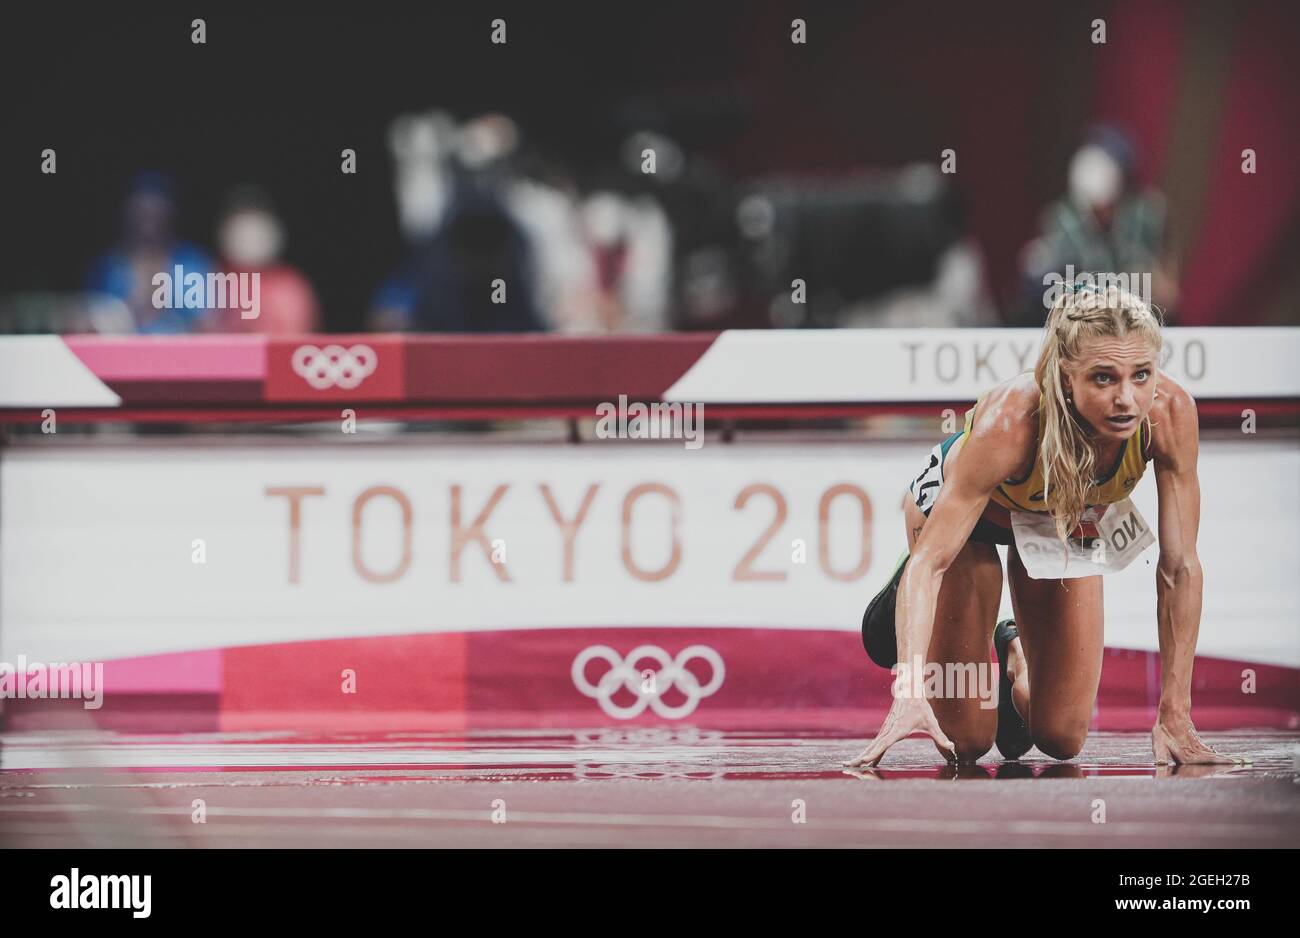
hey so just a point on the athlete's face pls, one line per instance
(1113, 383)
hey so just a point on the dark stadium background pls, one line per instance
(275, 95)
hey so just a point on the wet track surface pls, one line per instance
(636, 786)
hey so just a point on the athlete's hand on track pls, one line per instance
(1174, 740)
(907, 715)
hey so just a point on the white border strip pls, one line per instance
(41, 371)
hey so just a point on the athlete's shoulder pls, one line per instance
(1174, 421)
(1009, 409)
(1171, 397)
(1004, 431)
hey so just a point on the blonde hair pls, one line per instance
(1066, 451)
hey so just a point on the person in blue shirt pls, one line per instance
(149, 247)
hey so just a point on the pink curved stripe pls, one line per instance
(161, 358)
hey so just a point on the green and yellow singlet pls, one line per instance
(1026, 494)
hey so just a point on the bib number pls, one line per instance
(1108, 539)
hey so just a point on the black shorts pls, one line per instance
(925, 490)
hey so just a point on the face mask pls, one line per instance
(251, 239)
(1095, 178)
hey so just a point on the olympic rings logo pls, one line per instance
(334, 365)
(646, 735)
(648, 688)
(611, 770)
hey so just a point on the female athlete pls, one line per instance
(1053, 445)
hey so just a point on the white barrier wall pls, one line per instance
(822, 365)
(736, 366)
(98, 543)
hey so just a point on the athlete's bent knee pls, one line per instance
(971, 747)
(1060, 742)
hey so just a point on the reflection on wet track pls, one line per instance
(98, 788)
(641, 752)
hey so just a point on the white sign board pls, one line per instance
(101, 545)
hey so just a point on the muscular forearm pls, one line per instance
(1178, 612)
(918, 597)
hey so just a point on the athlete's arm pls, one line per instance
(1175, 443)
(1000, 442)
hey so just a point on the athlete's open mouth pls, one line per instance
(1121, 421)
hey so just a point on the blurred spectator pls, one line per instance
(1105, 225)
(633, 244)
(250, 237)
(420, 145)
(477, 255)
(460, 233)
(564, 265)
(470, 216)
(148, 248)
(603, 261)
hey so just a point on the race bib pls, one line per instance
(1108, 539)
